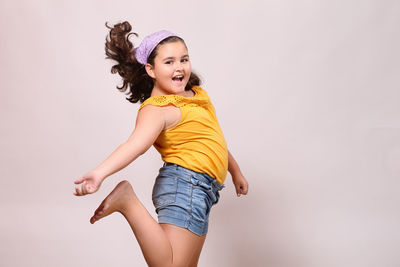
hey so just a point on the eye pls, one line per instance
(185, 60)
(167, 62)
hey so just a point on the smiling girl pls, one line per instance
(177, 117)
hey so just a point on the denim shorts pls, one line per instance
(184, 197)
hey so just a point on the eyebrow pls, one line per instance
(174, 57)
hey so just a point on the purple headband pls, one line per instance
(148, 44)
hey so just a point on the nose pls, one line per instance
(179, 66)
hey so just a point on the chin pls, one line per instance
(180, 88)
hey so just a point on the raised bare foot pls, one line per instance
(121, 195)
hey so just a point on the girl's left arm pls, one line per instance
(238, 179)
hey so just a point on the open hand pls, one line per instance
(241, 184)
(90, 183)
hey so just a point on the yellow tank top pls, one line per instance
(196, 142)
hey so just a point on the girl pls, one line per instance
(177, 117)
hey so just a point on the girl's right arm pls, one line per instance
(150, 122)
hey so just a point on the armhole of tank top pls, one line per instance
(180, 120)
(169, 104)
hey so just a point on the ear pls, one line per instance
(150, 70)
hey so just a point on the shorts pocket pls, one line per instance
(164, 191)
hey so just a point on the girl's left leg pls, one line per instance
(162, 244)
(153, 241)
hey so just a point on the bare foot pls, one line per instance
(121, 195)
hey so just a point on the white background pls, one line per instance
(307, 95)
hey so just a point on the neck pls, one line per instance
(156, 91)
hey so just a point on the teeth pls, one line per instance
(180, 77)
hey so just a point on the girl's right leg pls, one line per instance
(158, 244)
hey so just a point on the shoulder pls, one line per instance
(167, 115)
(201, 93)
(152, 113)
(199, 89)
(150, 109)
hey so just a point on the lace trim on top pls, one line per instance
(199, 98)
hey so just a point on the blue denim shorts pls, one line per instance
(184, 197)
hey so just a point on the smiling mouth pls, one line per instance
(177, 78)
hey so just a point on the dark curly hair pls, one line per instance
(134, 75)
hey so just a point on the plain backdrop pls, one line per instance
(306, 93)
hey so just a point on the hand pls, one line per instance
(241, 184)
(90, 184)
